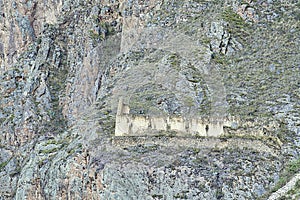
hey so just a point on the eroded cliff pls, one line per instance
(65, 64)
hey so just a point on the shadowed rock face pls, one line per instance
(64, 65)
(22, 22)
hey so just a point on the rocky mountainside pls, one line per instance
(65, 64)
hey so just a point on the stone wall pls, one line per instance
(130, 125)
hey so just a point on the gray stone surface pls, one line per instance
(63, 65)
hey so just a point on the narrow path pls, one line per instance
(282, 191)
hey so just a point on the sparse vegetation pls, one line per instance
(3, 164)
(49, 151)
(291, 169)
(221, 59)
(168, 61)
(236, 24)
(295, 192)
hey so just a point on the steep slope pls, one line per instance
(65, 64)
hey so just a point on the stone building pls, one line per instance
(140, 125)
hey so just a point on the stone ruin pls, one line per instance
(140, 125)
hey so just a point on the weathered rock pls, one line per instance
(64, 65)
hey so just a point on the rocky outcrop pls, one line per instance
(64, 65)
(22, 22)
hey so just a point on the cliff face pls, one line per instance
(65, 64)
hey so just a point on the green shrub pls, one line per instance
(293, 167)
(2, 165)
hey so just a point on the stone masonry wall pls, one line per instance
(129, 125)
